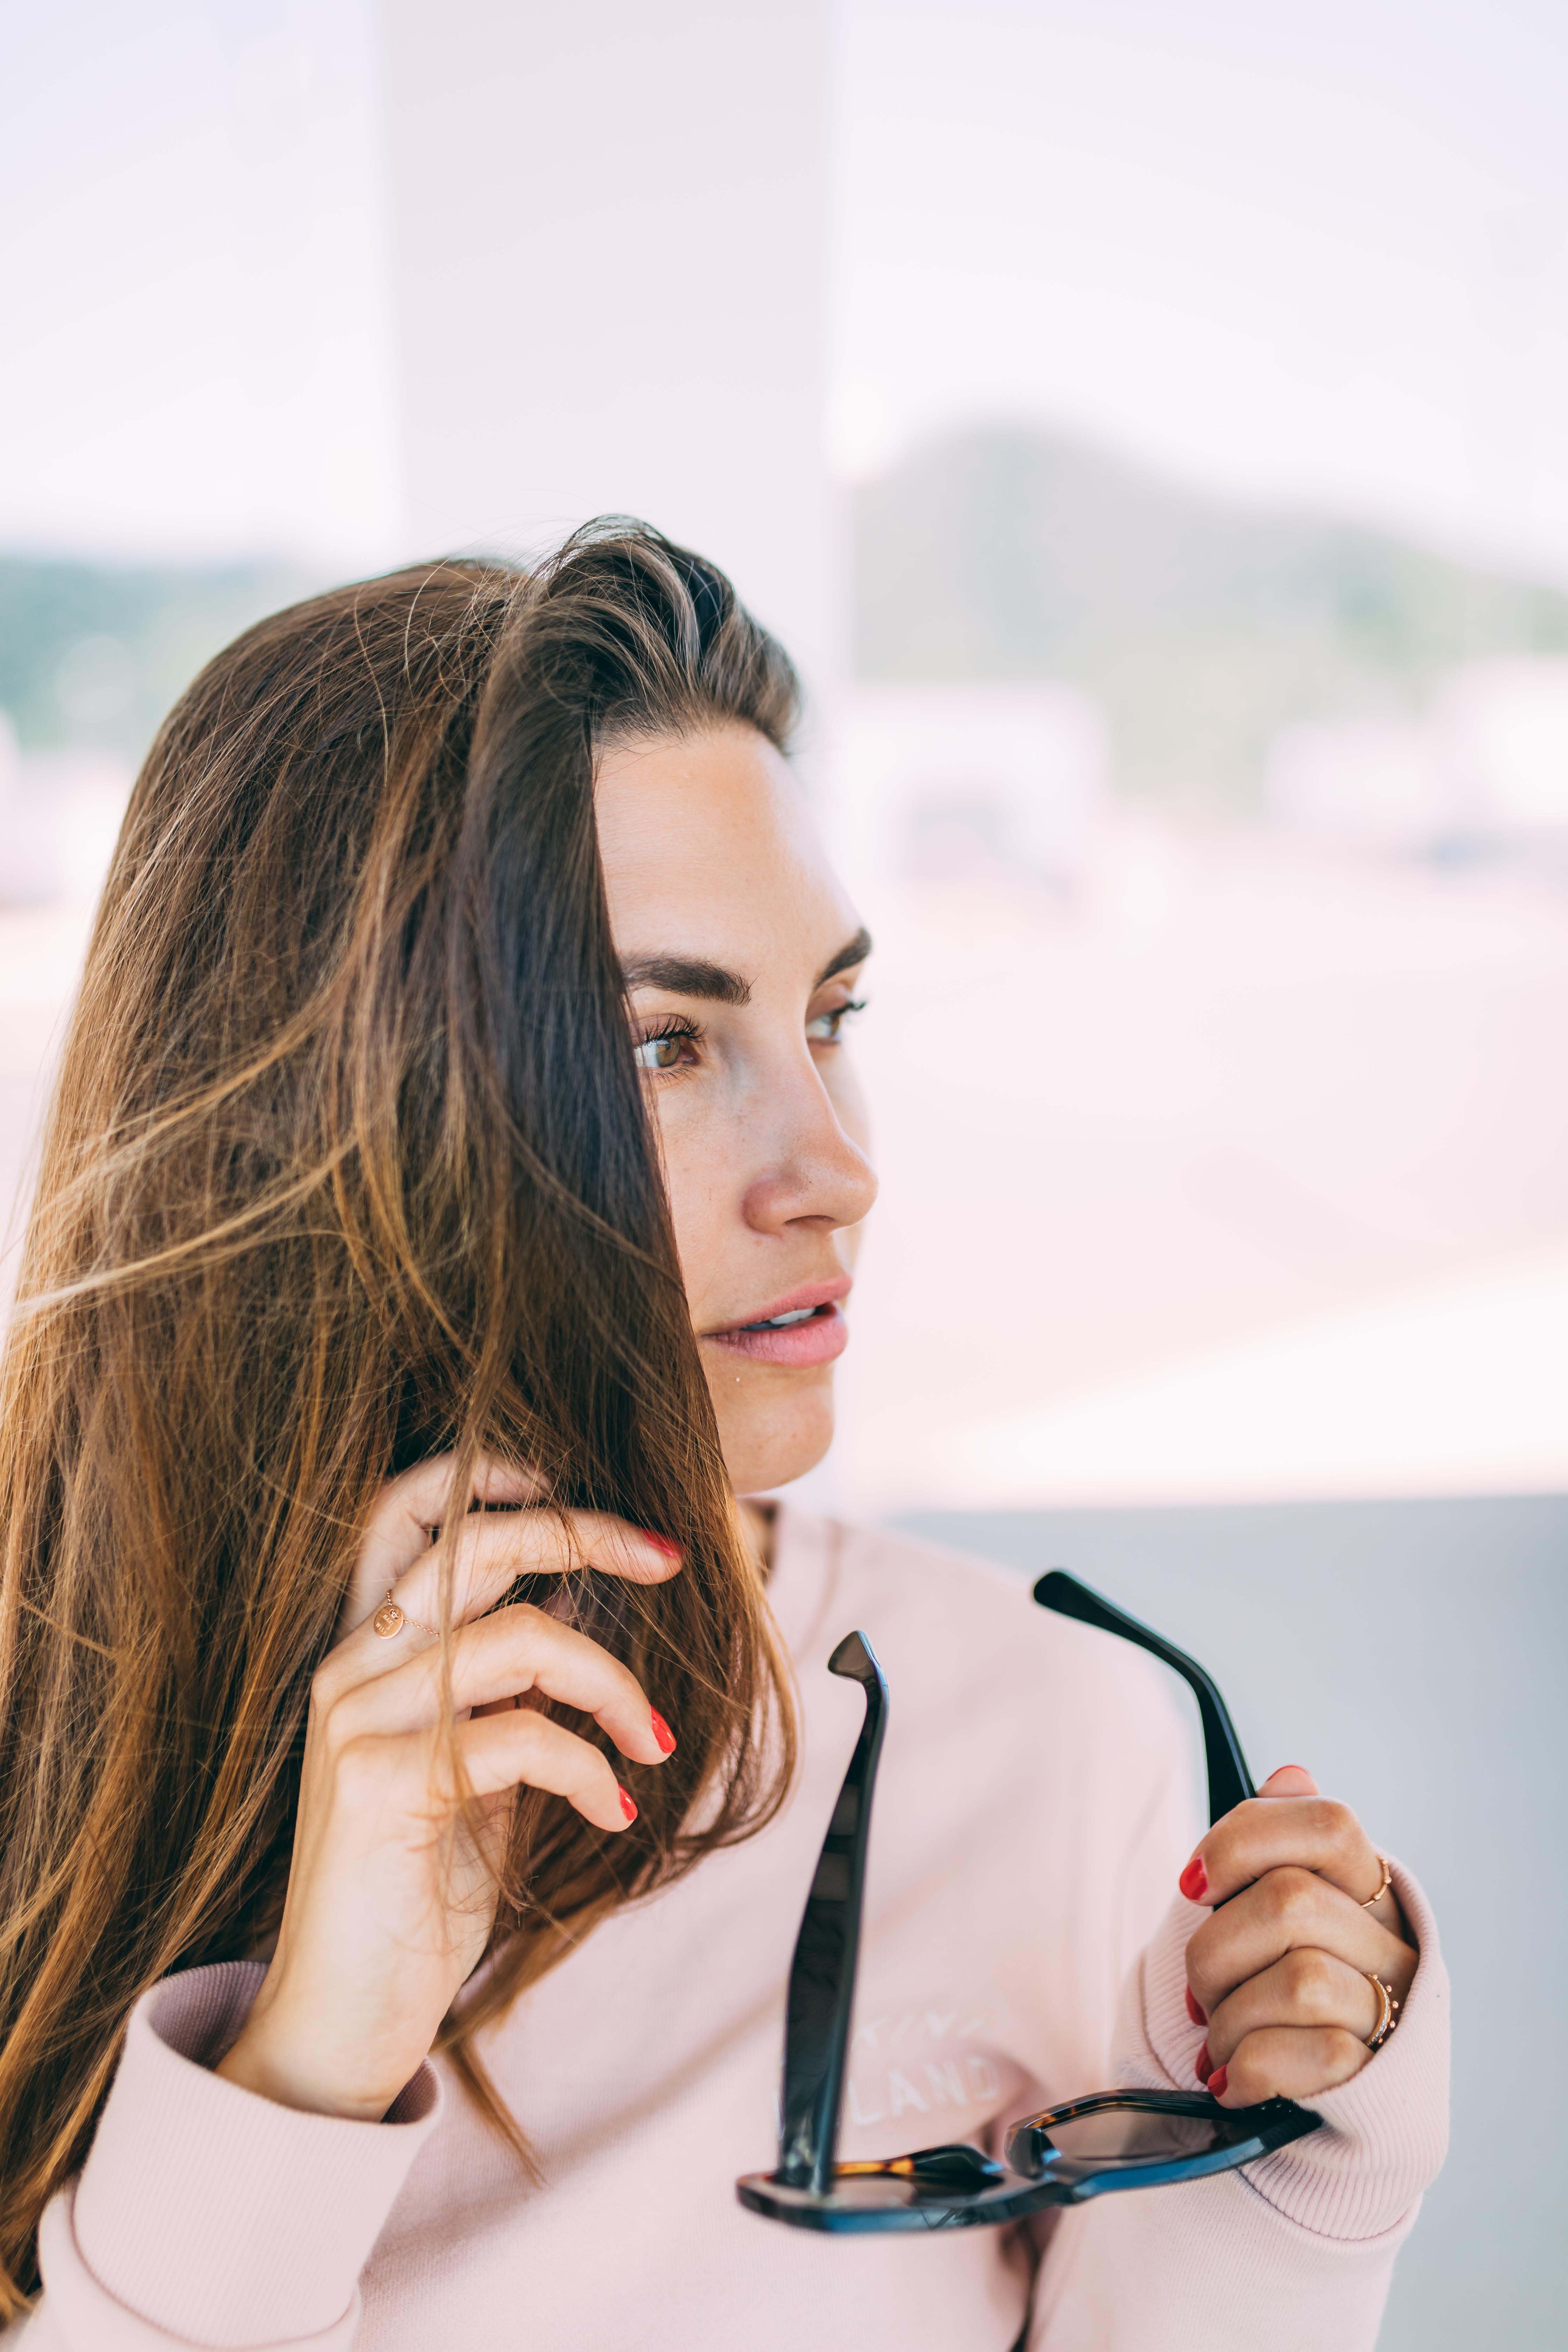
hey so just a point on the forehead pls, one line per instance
(708, 848)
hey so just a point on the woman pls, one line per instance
(449, 1206)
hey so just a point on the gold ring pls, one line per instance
(1388, 2016)
(1386, 1882)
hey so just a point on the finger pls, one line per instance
(496, 1752)
(485, 1552)
(516, 1651)
(1289, 1910)
(1308, 1989)
(522, 1748)
(1290, 1780)
(410, 1507)
(1271, 1832)
(1287, 2063)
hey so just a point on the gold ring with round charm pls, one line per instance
(1387, 1881)
(390, 1620)
(1388, 2016)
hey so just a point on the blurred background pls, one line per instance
(1149, 429)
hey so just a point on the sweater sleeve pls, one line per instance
(205, 2216)
(1296, 2250)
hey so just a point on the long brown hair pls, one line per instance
(348, 1163)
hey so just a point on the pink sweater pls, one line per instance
(1032, 1815)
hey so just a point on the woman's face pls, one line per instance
(741, 955)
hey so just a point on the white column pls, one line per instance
(608, 229)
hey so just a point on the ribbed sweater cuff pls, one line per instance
(1385, 2132)
(216, 2215)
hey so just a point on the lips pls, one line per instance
(803, 1329)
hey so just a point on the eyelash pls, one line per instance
(675, 1025)
(842, 1013)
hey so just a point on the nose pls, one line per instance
(813, 1172)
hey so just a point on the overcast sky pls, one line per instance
(1312, 248)
(192, 287)
(1303, 249)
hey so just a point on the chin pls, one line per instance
(769, 1441)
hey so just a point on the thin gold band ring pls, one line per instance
(1388, 2017)
(1386, 1881)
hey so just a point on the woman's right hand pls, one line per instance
(392, 1891)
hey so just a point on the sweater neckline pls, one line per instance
(804, 1577)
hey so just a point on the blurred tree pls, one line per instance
(94, 655)
(1203, 627)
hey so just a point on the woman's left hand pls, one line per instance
(1282, 1974)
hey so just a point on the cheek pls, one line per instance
(697, 1197)
(772, 1427)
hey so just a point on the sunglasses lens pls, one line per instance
(1126, 2136)
(874, 2191)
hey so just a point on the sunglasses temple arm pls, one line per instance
(822, 1974)
(1228, 1778)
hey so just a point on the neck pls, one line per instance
(757, 1521)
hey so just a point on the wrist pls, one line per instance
(269, 2063)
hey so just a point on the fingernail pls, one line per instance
(1199, 2016)
(662, 1543)
(1202, 2063)
(1292, 1767)
(1193, 1881)
(662, 1732)
(627, 1807)
(1217, 2082)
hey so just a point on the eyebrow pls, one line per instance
(852, 952)
(696, 976)
(687, 976)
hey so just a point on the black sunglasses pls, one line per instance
(1113, 2139)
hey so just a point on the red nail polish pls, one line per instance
(662, 1732)
(1202, 2063)
(627, 1807)
(1199, 2016)
(663, 1544)
(1217, 2082)
(1193, 1881)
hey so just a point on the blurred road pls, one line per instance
(1229, 1099)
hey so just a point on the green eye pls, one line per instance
(659, 1053)
(827, 1028)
